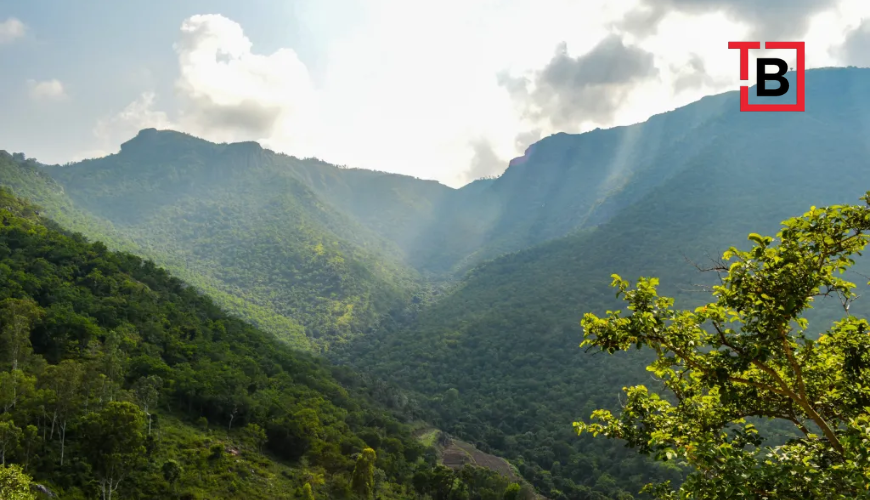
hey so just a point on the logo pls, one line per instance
(764, 77)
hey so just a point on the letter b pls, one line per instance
(779, 76)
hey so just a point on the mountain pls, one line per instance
(498, 356)
(116, 377)
(317, 254)
(562, 184)
(236, 221)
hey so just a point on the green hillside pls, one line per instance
(234, 221)
(116, 376)
(25, 178)
(399, 208)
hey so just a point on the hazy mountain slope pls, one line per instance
(397, 207)
(237, 222)
(507, 338)
(564, 182)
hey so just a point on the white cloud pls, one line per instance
(230, 93)
(227, 92)
(49, 90)
(11, 30)
(847, 33)
(414, 88)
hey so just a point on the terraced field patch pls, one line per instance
(455, 454)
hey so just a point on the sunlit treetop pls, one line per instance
(751, 353)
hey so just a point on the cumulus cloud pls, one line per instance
(855, 50)
(49, 90)
(11, 30)
(230, 93)
(769, 19)
(588, 88)
(226, 92)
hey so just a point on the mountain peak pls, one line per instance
(152, 141)
(152, 137)
(245, 146)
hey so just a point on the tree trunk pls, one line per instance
(62, 440)
(114, 488)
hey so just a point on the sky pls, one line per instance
(449, 90)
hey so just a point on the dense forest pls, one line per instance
(119, 380)
(453, 308)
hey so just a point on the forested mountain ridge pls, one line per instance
(236, 222)
(316, 253)
(118, 379)
(498, 356)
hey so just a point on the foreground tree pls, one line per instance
(751, 354)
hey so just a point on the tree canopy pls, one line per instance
(752, 353)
